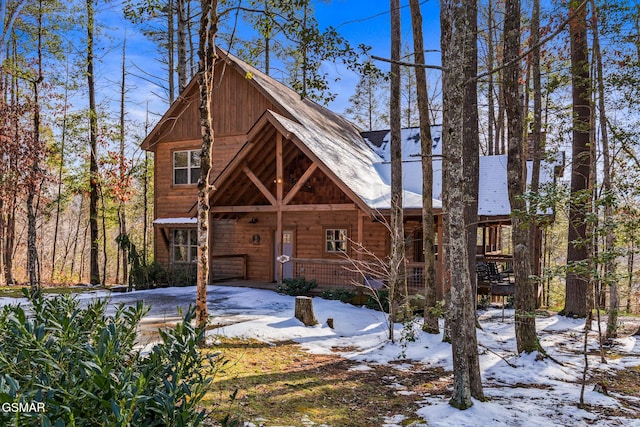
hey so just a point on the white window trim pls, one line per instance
(188, 168)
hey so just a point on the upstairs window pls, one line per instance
(186, 167)
(336, 240)
(185, 245)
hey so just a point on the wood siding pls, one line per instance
(237, 237)
(236, 106)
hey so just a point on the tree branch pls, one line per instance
(537, 45)
(407, 64)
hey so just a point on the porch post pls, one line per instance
(279, 194)
(360, 233)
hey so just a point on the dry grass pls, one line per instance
(282, 385)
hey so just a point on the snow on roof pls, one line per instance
(361, 159)
(175, 221)
(493, 196)
(380, 142)
(334, 140)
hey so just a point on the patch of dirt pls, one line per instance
(290, 385)
(624, 385)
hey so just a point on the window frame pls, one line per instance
(192, 233)
(326, 240)
(189, 168)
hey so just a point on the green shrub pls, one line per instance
(83, 366)
(297, 286)
(153, 275)
(341, 294)
(379, 301)
(182, 275)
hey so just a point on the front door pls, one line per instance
(287, 249)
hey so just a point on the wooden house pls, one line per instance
(297, 187)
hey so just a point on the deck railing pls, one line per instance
(331, 273)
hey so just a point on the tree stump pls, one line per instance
(304, 311)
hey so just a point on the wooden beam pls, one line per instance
(264, 190)
(243, 209)
(360, 237)
(279, 191)
(279, 169)
(285, 208)
(320, 207)
(304, 178)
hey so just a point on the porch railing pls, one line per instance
(331, 273)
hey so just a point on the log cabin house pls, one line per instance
(293, 181)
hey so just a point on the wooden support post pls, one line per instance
(304, 311)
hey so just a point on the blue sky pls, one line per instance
(359, 21)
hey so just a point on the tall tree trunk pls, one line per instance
(32, 186)
(182, 45)
(207, 56)
(171, 63)
(10, 239)
(535, 241)
(630, 259)
(145, 198)
(94, 269)
(397, 279)
(122, 213)
(459, 52)
(471, 145)
(63, 139)
(74, 252)
(577, 282)
(103, 218)
(526, 337)
(490, 87)
(610, 264)
(428, 232)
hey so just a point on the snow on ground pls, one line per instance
(520, 390)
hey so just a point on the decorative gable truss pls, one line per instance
(274, 172)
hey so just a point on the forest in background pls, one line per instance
(73, 177)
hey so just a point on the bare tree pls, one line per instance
(206, 66)
(398, 280)
(610, 263)
(94, 269)
(459, 52)
(428, 231)
(525, 301)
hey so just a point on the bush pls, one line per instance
(148, 276)
(297, 286)
(182, 275)
(380, 301)
(344, 295)
(82, 365)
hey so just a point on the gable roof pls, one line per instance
(334, 141)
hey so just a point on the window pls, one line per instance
(185, 245)
(336, 240)
(186, 167)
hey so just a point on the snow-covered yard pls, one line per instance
(520, 390)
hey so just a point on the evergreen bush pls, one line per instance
(83, 367)
(297, 286)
